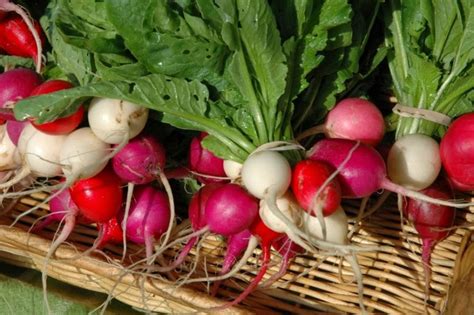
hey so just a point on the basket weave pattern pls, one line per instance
(393, 277)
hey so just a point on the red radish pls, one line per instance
(20, 35)
(99, 198)
(149, 217)
(288, 250)
(362, 170)
(204, 162)
(17, 84)
(110, 232)
(313, 187)
(352, 118)
(457, 152)
(432, 222)
(63, 125)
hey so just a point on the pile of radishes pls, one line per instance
(102, 166)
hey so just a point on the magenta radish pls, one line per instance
(62, 208)
(362, 170)
(149, 217)
(431, 221)
(414, 162)
(349, 120)
(20, 35)
(17, 84)
(457, 152)
(14, 129)
(116, 121)
(204, 163)
(236, 245)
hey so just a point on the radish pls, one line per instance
(8, 152)
(264, 171)
(141, 161)
(314, 189)
(39, 155)
(17, 84)
(457, 152)
(99, 198)
(414, 162)
(115, 121)
(362, 170)
(350, 119)
(149, 217)
(204, 163)
(232, 169)
(83, 155)
(196, 214)
(288, 250)
(63, 125)
(14, 129)
(236, 245)
(62, 208)
(266, 237)
(19, 34)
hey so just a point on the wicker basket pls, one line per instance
(393, 277)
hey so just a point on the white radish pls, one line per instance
(266, 171)
(8, 152)
(116, 121)
(414, 161)
(232, 169)
(287, 206)
(336, 226)
(83, 155)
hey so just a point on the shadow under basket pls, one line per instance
(393, 277)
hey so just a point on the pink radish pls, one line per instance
(350, 119)
(14, 129)
(362, 170)
(457, 152)
(149, 217)
(204, 162)
(17, 84)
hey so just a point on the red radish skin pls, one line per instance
(350, 119)
(20, 35)
(203, 161)
(308, 178)
(362, 170)
(457, 152)
(111, 233)
(432, 222)
(63, 125)
(99, 198)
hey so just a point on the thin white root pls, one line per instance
(169, 192)
(352, 260)
(360, 215)
(125, 218)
